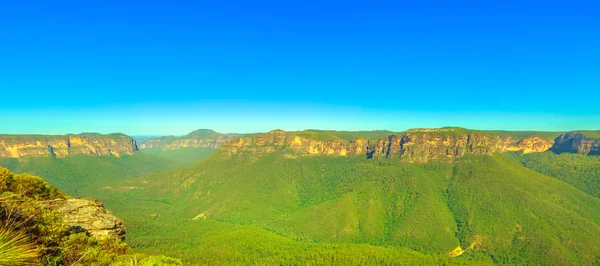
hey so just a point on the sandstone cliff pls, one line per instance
(420, 145)
(202, 138)
(16, 146)
(441, 144)
(272, 140)
(575, 142)
(84, 215)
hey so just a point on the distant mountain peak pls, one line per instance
(89, 134)
(200, 138)
(202, 133)
(203, 130)
(442, 129)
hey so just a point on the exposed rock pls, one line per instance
(534, 144)
(575, 142)
(413, 146)
(16, 146)
(202, 138)
(270, 141)
(423, 146)
(84, 215)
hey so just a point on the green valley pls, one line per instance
(75, 174)
(292, 133)
(427, 197)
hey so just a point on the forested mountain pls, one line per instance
(424, 196)
(201, 138)
(186, 149)
(448, 195)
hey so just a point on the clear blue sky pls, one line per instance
(169, 67)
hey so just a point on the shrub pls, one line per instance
(144, 260)
(34, 187)
(16, 248)
(6, 178)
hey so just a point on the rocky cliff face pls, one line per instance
(16, 146)
(299, 145)
(574, 142)
(84, 215)
(413, 146)
(202, 138)
(423, 146)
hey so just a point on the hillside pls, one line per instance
(182, 156)
(443, 194)
(42, 226)
(75, 174)
(424, 196)
(582, 172)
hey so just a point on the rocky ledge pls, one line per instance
(84, 215)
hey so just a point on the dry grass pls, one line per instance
(16, 248)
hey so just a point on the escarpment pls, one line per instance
(17, 146)
(202, 138)
(576, 142)
(412, 146)
(296, 144)
(423, 146)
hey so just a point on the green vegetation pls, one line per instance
(336, 210)
(31, 234)
(342, 136)
(527, 134)
(16, 248)
(205, 134)
(185, 156)
(595, 134)
(518, 216)
(456, 131)
(200, 134)
(212, 242)
(582, 172)
(212, 207)
(75, 173)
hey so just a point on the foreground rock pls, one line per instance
(84, 215)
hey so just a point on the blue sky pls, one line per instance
(169, 67)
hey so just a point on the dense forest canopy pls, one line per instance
(276, 205)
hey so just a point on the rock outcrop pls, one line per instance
(575, 142)
(423, 146)
(84, 215)
(272, 140)
(16, 146)
(202, 138)
(413, 145)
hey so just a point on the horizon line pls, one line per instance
(307, 129)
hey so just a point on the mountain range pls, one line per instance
(417, 145)
(423, 196)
